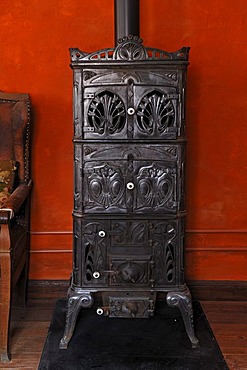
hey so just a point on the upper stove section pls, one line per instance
(130, 92)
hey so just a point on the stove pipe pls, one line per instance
(126, 18)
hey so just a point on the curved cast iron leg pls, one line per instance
(75, 302)
(182, 300)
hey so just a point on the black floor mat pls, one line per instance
(156, 343)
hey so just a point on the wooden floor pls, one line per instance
(29, 327)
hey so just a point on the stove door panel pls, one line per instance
(104, 186)
(105, 113)
(129, 254)
(116, 180)
(156, 187)
(157, 112)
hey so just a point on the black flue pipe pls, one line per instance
(127, 19)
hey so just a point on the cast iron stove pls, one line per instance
(129, 164)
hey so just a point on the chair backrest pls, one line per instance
(15, 131)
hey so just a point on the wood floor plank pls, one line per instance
(34, 312)
(22, 361)
(236, 362)
(221, 312)
(28, 337)
(232, 338)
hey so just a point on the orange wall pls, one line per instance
(34, 40)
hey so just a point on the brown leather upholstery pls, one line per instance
(14, 232)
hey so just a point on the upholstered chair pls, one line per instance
(15, 186)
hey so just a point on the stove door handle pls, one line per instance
(108, 272)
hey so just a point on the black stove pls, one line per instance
(129, 170)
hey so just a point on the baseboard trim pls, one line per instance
(203, 290)
(218, 290)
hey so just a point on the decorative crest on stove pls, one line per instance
(129, 49)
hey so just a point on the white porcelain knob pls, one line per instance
(99, 311)
(96, 274)
(131, 111)
(102, 233)
(130, 185)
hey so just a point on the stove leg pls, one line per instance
(182, 300)
(74, 304)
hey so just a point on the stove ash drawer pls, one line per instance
(128, 304)
(132, 253)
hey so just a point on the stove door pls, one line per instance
(157, 112)
(156, 189)
(132, 179)
(105, 112)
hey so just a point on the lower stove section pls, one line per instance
(127, 304)
(127, 253)
(128, 261)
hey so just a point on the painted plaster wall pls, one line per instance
(34, 40)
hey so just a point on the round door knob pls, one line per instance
(130, 186)
(102, 233)
(99, 311)
(131, 111)
(96, 274)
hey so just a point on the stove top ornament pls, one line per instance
(129, 48)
